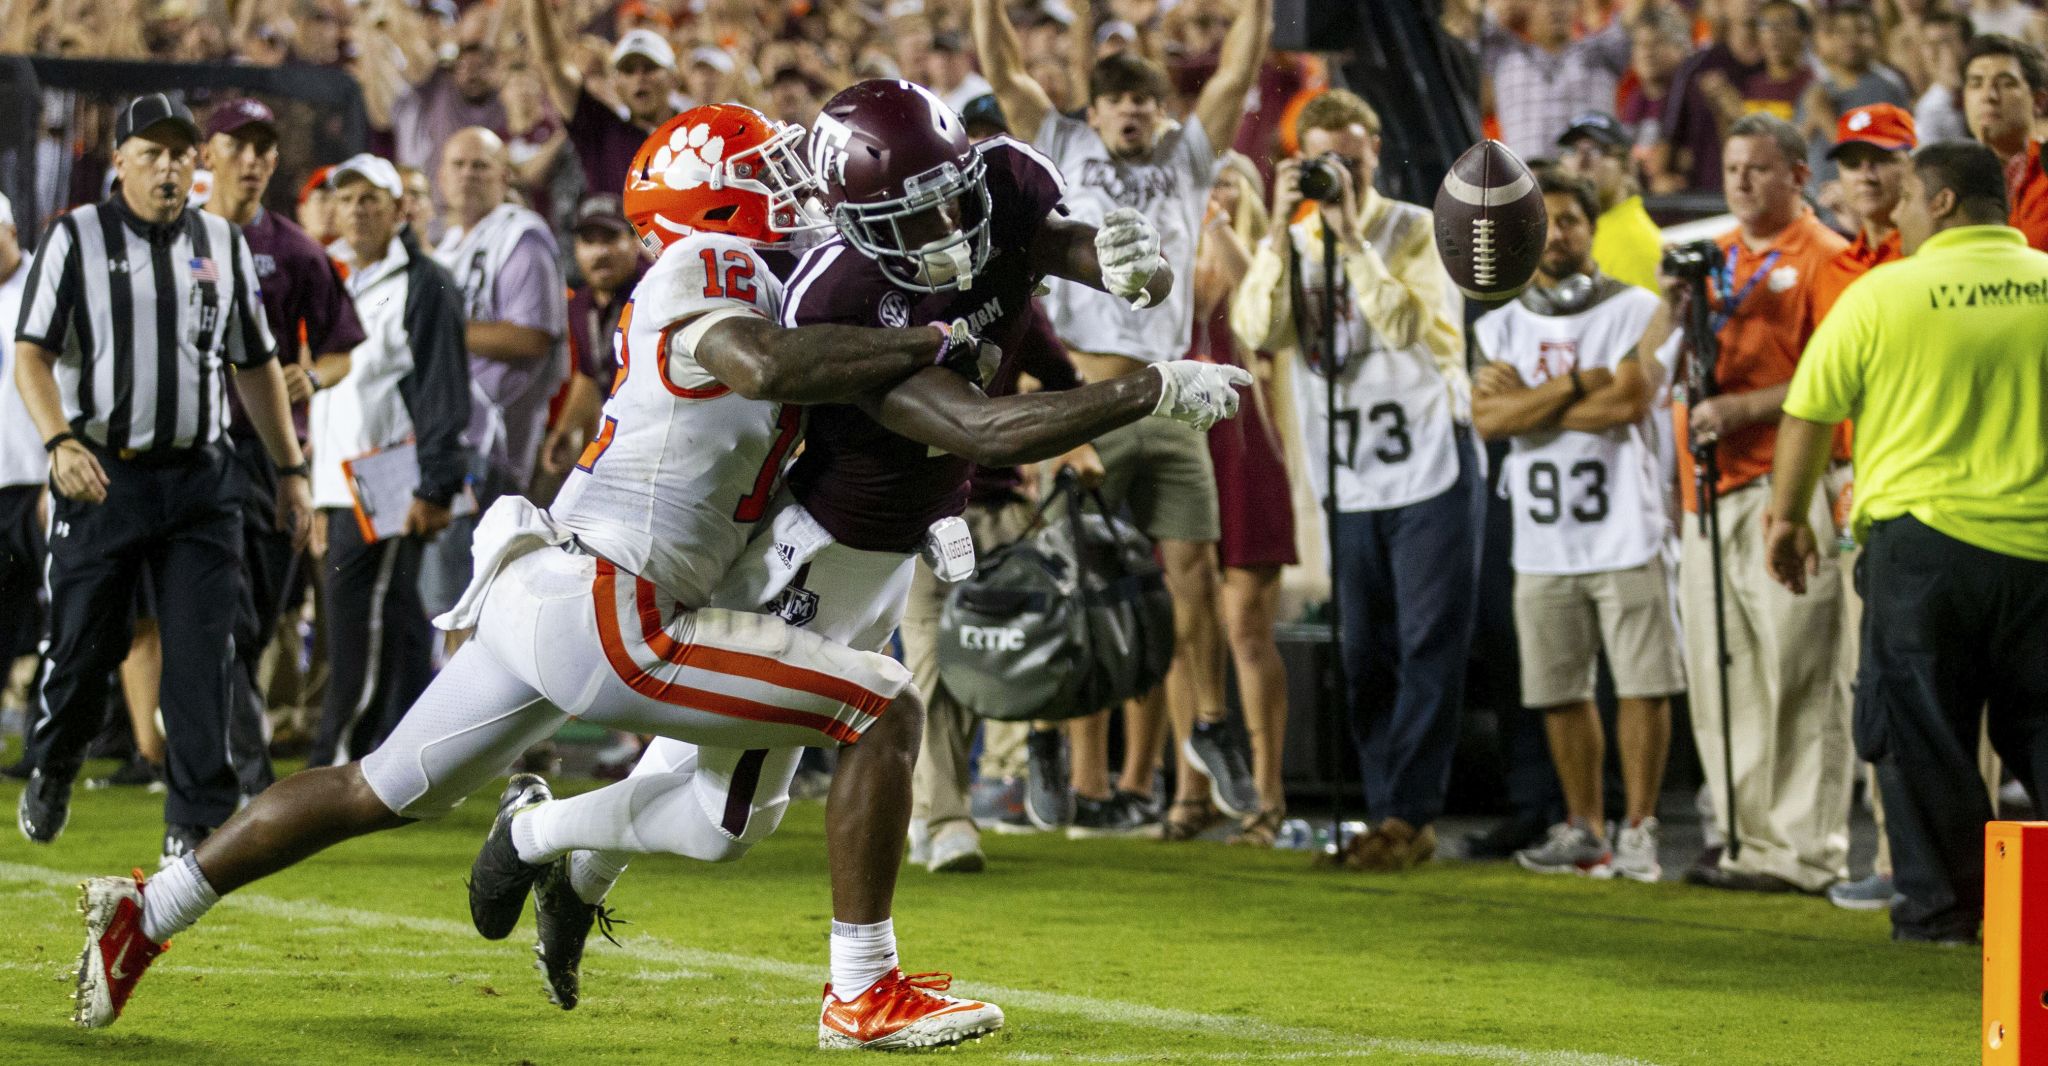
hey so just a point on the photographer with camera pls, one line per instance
(1409, 493)
(1788, 747)
(1564, 383)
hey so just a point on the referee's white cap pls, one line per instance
(376, 170)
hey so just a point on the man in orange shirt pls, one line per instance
(1871, 146)
(2005, 84)
(1791, 753)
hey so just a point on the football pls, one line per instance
(1490, 222)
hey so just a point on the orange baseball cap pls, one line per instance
(1885, 126)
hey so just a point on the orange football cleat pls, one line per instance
(902, 1012)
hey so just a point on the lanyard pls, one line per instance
(1724, 279)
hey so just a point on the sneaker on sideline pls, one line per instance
(1873, 893)
(1569, 848)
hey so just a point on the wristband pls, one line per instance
(313, 378)
(304, 470)
(945, 344)
(57, 441)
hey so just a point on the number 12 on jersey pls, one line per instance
(739, 274)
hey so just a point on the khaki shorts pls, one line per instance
(1162, 469)
(1563, 621)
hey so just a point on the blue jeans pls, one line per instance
(1409, 581)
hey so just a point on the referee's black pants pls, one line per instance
(380, 649)
(269, 569)
(171, 520)
(1951, 631)
(21, 574)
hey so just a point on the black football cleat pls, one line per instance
(563, 922)
(45, 807)
(499, 879)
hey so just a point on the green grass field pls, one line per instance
(1099, 952)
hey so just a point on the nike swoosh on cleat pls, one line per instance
(117, 973)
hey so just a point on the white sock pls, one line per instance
(174, 899)
(648, 814)
(592, 874)
(526, 838)
(861, 955)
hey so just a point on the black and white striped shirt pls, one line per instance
(143, 317)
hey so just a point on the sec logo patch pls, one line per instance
(894, 310)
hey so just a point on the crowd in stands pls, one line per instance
(503, 131)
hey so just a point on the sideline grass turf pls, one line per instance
(1102, 951)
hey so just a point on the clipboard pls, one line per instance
(382, 482)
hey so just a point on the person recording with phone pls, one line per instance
(1409, 494)
(1787, 745)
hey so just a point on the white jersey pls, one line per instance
(22, 458)
(682, 467)
(1396, 413)
(1584, 502)
(1169, 185)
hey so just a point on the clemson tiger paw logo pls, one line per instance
(686, 161)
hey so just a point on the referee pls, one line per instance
(135, 309)
(1942, 361)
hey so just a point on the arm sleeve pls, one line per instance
(1406, 296)
(329, 313)
(1827, 386)
(528, 291)
(436, 392)
(50, 296)
(1262, 311)
(249, 342)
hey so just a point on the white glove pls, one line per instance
(1199, 394)
(1127, 249)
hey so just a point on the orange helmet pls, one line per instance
(721, 168)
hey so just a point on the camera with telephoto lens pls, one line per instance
(1323, 178)
(1693, 261)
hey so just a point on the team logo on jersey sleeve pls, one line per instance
(894, 310)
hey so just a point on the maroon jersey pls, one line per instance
(872, 489)
(303, 297)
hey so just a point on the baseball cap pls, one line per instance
(983, 110)
(1600, 127)
(1114, 29)
(1886, 126)
(150, 110)
(601, 211)
(715, 58)
(238, 114)
(646, 44)
(376, 170)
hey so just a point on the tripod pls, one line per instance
(1706, 480)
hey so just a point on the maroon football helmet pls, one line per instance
(899, 179)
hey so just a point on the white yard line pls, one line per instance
(1330, 1045)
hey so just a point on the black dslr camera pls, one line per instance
(1693, 262)
(1323, 178)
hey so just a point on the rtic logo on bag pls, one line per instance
(992, 638)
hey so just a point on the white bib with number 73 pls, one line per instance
(1395, 442)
